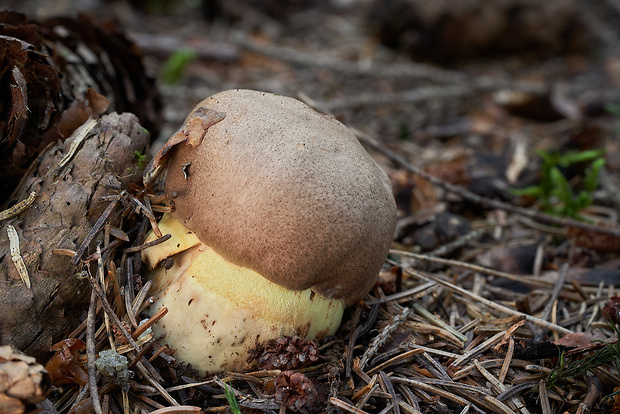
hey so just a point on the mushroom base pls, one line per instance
(219, 312)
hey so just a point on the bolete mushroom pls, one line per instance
(281, 220)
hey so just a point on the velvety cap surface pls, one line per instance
(286, 191)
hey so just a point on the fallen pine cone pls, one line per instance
(23, 382)
(289, 353)
(296, 391)
(56, 74)
(45, 300)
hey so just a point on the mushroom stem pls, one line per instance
(221, 311)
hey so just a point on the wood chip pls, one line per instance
(16, 256)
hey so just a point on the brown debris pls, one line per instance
(611, 310)
(422, 113)
(594, 241)
(200, 120)
(592, 396)
(31, 91)
(616, 407)
(530, 350)
(65, 366)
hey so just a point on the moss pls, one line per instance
(114, 366)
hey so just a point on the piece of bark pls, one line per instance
(68, 202)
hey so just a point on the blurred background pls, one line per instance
(358, 55)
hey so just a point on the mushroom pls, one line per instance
(281, 220)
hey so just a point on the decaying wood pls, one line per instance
(67, 204)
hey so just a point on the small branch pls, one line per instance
(180, 409)
(147, 245)
(150, 322)
(545, 405)
(402, 296)
(81, 134)
(395, 360)
(93, 231)
(90, 353)
(146, 210)
(410, 96)
(18, 208)
(489, 303)
(390, 390)
(348, 357)
(380, 339)
(108, 310)
(592, 396)
(165, 45)
(298, 58)
(474, 267)
(338, 403)
(478, 349)
(462, 241)
(559, 284)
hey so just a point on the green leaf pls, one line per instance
(613, 108)
(566, 368)
(590, 181)
(576, 157)
(531, 191)
(175, 65)
(554, 193)
(232, 400)
(560, 188)
(141, 158)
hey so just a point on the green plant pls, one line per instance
(141, 158)
(554, 193)
(232, 400)
(608, 354)
(404, 132)
(613, 108)
(175, 65)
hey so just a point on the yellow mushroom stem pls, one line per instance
(218, 312)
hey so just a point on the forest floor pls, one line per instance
(491, 301)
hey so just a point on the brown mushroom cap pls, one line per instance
(285, 191)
